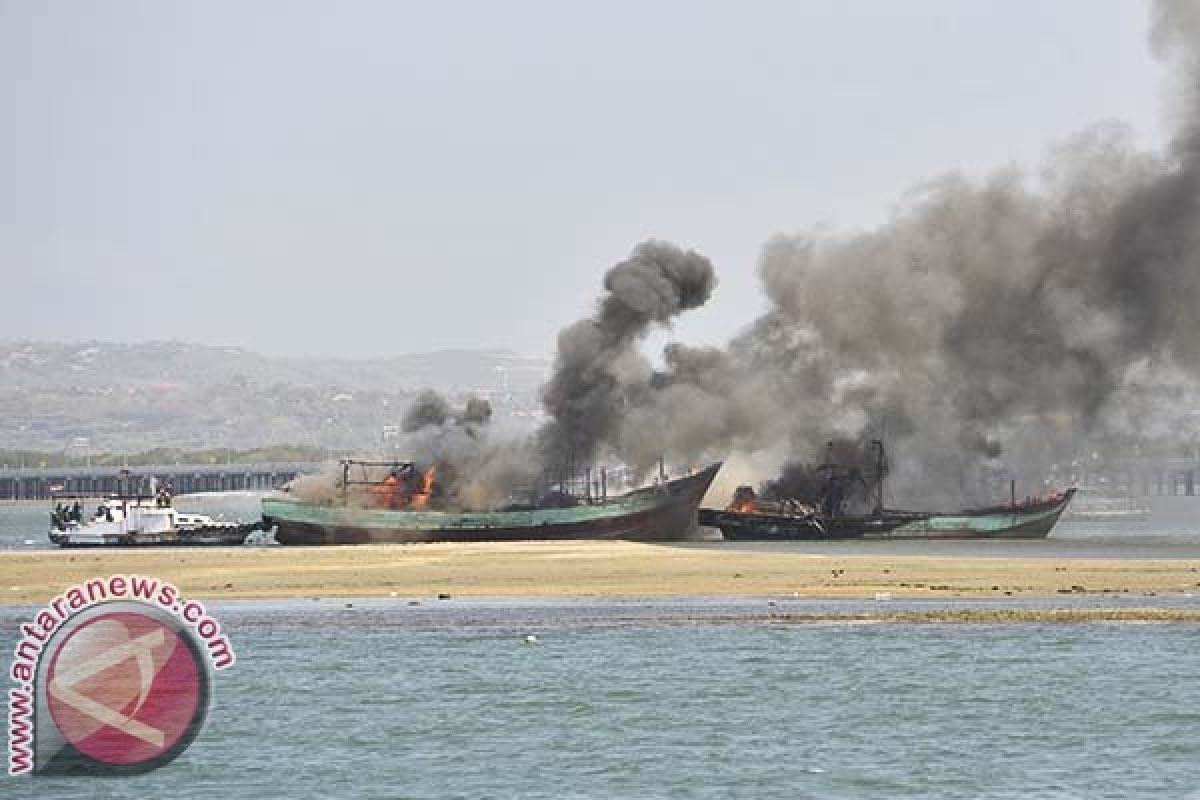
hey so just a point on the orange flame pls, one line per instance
(744, 501)
(420, 498)
(387, 494)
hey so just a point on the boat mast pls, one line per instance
(880, 468)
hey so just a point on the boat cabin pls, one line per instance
(117, 515)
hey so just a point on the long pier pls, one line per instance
(42, 483)
(1145, 477)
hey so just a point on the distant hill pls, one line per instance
(121, 397)
(44, 364)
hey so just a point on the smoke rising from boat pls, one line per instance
(600, 376)
(599, 382)
(431, 410)
(985, 329)
(855, 468)
(475, 468)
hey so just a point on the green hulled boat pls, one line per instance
(1033, 519)
(665, 511)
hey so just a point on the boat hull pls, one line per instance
(224, 536)
(662, 513)
(1027, 521)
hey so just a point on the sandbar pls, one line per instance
(584, 569)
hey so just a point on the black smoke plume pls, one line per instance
(428, 409)
(843, 479)
(599, 375)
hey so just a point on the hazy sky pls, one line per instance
(366, 178)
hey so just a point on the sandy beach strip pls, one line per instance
(582, 569)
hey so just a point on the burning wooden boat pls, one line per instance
(749, 518)
(1030, 519)
(404, 510)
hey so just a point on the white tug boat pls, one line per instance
(133, 520)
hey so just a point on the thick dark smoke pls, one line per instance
(844, 480)
(600, 376)
(477, 412)
(429, 409)
(473, 469)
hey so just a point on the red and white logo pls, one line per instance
(112, 677)
(123, 688)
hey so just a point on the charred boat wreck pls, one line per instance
(749, 518)
(663, 511)
(1031, 519)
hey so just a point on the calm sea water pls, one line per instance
(629, 700)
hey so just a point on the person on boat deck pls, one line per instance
(77, 512)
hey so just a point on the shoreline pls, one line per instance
(588, 569)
